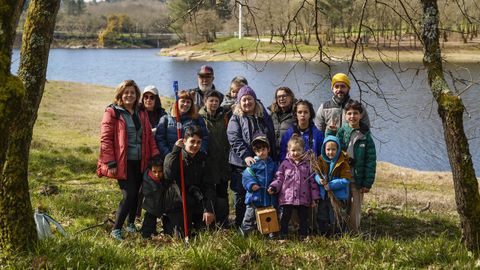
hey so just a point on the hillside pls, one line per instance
(409, 217)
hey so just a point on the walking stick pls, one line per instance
(182, 177)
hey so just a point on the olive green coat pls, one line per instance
(218, 146)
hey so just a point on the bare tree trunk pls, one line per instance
(11, 94)
(17, 227)
(451, 109)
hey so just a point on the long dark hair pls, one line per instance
(309, 106)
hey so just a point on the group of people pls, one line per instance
(302, 163)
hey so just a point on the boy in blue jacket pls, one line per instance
(255, 180)
(333, 177)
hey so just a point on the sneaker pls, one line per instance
(131, 228)
(117, 234)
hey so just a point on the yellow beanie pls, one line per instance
(340, 77)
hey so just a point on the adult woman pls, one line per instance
(303, 115)
(248, 118)
(127, 145)
(281, 112)
(166, 134)
(150, 102)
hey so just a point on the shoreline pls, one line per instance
(202, 52)
(104, 93)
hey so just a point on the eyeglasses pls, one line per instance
(205, 76)
(282, 96)
(150, 97)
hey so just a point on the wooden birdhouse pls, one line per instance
(267, 220)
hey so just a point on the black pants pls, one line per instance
(194, 218)
(238, 194)
(328, 223)
(221, 205)
(302, 212)
(130, 188)
(149, 225)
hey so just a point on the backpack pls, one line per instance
(43, 222)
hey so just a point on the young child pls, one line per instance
(160, 197)
(333, 177)
(199, 185)
(295, 185)
(255, 180)
(356, 139)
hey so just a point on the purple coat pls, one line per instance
(295, 184)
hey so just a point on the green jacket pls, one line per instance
(364, 161)
(218, 146)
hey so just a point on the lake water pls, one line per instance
(406, 126)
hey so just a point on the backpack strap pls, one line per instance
(117, 112)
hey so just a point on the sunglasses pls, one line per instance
(149, 97)
(205, 76)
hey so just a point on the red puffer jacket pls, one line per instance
(114, 144)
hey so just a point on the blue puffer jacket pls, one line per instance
(166, 134)
(260, 173)
(313, 142)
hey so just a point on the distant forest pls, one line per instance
(194, 21)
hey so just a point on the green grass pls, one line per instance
(66, 157)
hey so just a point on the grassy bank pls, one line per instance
(251, 49)
(398, 230)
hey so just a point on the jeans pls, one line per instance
(249, 222)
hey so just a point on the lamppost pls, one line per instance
(239, 20)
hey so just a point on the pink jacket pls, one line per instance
(113, 144)
(295, 184)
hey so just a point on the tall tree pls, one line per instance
(17, 228)
(451, 111)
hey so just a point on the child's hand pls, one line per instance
(112, 171)
(179, 143)
(249, 161)
(208, 217)
(364, 190)
(314, 203)
(255, 187)
(271, 190)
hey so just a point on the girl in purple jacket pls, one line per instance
(295, 185)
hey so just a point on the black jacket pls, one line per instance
(160, 198)
(199, 185)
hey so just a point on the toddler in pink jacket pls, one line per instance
(295, 186)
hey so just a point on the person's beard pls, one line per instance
(205, 88)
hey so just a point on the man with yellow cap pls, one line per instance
(330, 113)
